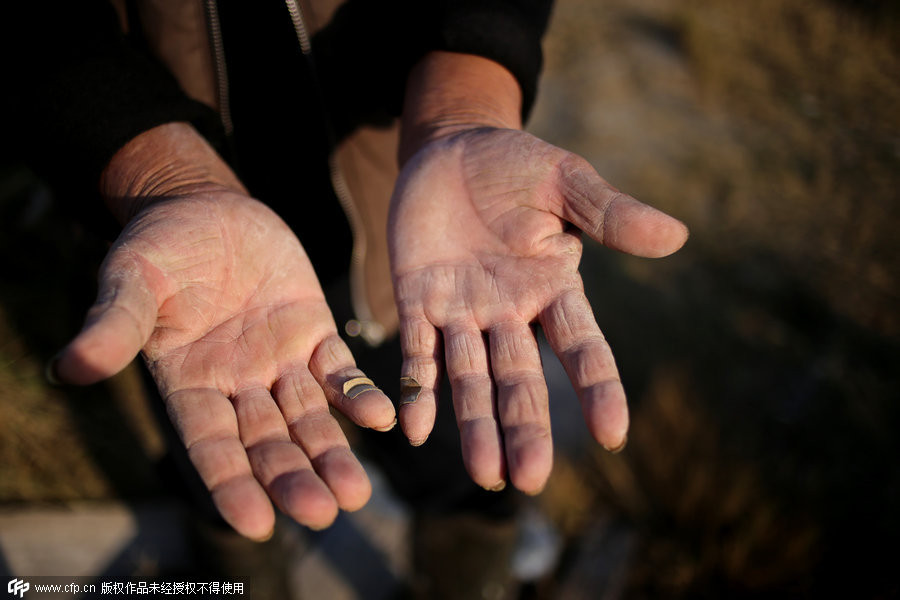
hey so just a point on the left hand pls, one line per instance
(482, 247)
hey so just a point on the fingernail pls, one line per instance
(536, 492)
(409, 390)
(356, 386)
(265, 538)
(387, 428)
(417, 443)
(497, 488)
(618, 448)
(51, 372)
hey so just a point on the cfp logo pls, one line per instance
(18, 587)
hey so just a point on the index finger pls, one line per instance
(569, 325)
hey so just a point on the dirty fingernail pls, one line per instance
(497, 488)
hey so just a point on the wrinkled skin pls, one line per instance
(219, 296)
(484, 239)
(222, 299)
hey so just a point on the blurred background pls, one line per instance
(761, 361)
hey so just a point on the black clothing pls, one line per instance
(79, 88)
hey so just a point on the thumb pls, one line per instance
(116, 328)
(612, 218)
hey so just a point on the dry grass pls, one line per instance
(760, 361)
(768, 123)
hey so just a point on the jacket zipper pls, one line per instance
(366, 326)
(220, 71)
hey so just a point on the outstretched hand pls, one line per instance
(484, 239)
(220, 296)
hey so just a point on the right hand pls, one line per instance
(219, 295)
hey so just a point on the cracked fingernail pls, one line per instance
(356, 386)
(497, 488)
(409, 390)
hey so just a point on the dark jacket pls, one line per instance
(300, 97)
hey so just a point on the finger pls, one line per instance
(348, 389)
(311, 425)
(468, 372)
(614, 219)
(206, 422)
(522, 404)
(576, 339)
(419, 380)
(279, 464)
(116, 328)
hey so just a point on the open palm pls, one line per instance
(484, 236)
(222, 300)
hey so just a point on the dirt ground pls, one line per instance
(761, 362)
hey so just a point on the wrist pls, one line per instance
(448, 93)
(166, 161)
